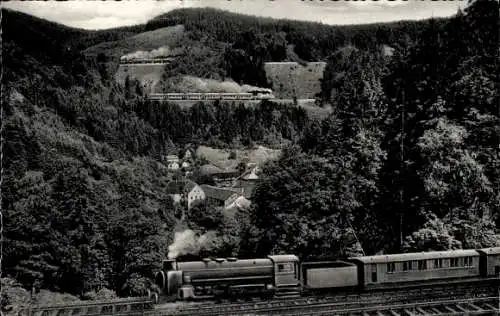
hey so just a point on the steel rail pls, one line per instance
(338, 309)
(394, 294)
(444, 307)
(299, 303)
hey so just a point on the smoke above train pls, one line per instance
(187, 242)
(160, 52)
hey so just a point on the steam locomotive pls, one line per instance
(284, 275)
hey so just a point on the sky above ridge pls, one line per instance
(108, 14)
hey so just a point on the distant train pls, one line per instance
(284, 274)
(255, 95)
(146, 60)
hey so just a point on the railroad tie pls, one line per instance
(460, 308)
(493, 308)
(476, 307)
(450, 309)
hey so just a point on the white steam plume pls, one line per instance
(196, 84)
(159, 52)
(187, 242)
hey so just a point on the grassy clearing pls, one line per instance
(172, 36)
(220, 157)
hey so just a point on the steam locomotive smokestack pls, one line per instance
(168, 265)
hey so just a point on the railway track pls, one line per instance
(341, 301)
(476, 306)
(120, 306)
(144, 306)
(442, 307)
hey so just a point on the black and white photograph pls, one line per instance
(250, 157)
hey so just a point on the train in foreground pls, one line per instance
(279, 275)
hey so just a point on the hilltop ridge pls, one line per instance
(216, 44)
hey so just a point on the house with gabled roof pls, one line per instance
(188, 154)
(185, 190)
(252, 173)
(221, 197)
(186, 165)
(219, 174)
(246, 188)
(241, 203)
(172, 162)
(248, 180)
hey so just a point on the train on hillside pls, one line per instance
(163, 60)
(252, 95)
(285, 275)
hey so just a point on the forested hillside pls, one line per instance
(412, 149)
(412, 146)
(218, 44)
(84, 192)
(237, 46)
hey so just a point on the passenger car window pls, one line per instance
(422, 264)
(453, 262)
(391, 267)
(407, 266)
(438, 263)
(468, 261)
(374, 273)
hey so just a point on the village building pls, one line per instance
(188, 155)
(219, 197)
(241, 203)
(173, 162)
(185, 191)
(248, 181)
(251, 174)
(221, 176)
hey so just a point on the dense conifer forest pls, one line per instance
(412, 146)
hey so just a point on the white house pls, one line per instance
(173, 162)
(185, 190)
